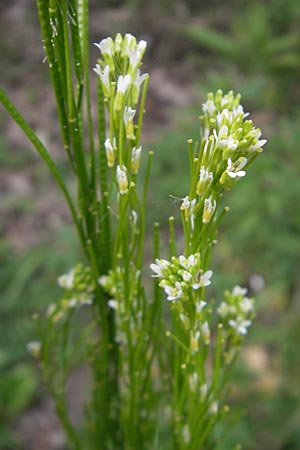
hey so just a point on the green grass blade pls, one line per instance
(14, 113)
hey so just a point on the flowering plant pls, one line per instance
(130, 346)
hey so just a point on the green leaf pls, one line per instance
(14, 113)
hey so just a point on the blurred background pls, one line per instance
(194, 46)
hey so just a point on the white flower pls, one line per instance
(129, 114)
(240, 325)
(85, 301)
(213, 409)
(199, 306)
(113, 304)
(67, 280)
(135, 55)
(204, 280)
(188, 206)
(139, 79)
(103, 280)
(160, 267)
(187, 262)
(122, 179)
(173, 292)
(123, 83)
(223, 309)
(104, 77)
(209, 209)
(205, 178)
(209, 107)
(110, 154)
(234, 169)
(258, 145)
(246, 305)
(186, 276)
(135, 159)
(194, 341)
(105, 46)
(142, 46)
(238, 290)
(34, 348)
(206, 332)
(72, 303)
(129, 41)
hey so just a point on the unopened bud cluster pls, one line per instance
(121, 82)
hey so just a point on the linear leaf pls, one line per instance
(14, 113)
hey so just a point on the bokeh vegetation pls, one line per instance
(198, 46)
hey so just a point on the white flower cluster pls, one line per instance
(113, 284)
(228, 134)
(228, 146)
(79, 288)
(121, 81)
(237, 311)
(180, 275)
(124, 301)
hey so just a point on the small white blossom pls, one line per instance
(34, 348)
(240, 325)
(135, 159)
(123, 83)
(214, 407)
(105, 46)
(110, 153)
(188, 206)
(234, 169)
(186, 276)
(194, 341)
(238, 290)
(139, 79)
(160, 267)
(246, 305)
(224, 309)
(113, 304)
(205, 332)
(104, 77)
(187, 262)
(209, 107)
(205, 280)
(122, 179)
(66, 281)
(209, 209)
(205, 178)
(135, 55)
(199, 306)
(173, 292)
(129, 114)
